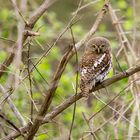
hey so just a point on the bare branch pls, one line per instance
(122, 37)
(4, 117)
(105, 83)
(39, 12)
(13, 107)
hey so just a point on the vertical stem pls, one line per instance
(30, 81)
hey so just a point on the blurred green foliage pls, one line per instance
(49, 27)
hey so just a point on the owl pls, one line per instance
(95, 63)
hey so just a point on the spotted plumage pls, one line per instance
(95, 63)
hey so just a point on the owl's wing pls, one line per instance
(87, 74)
(88, 80)
(93, 70)
(102, 66)
(96, 70)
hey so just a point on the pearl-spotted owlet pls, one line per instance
(95, 63)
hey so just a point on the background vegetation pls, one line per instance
(119, 120)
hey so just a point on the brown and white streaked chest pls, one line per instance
(95, 66)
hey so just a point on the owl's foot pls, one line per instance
(86, 91)
(85, 98)
(85, 94)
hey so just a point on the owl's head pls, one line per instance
(98, 44)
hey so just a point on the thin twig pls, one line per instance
(8, 40)
(19, 12)
(12, 106)
(4, 117)
(85, 6)
(76, 88)
(122, 37)
(101, 126)
(76, 91)
(116, 112)
(30, 81)
(90, 128)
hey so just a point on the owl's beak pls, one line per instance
(98, 49)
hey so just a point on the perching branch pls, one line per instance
(105, 83)
(71, 100)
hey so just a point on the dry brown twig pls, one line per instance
(18, 52)
(125, 44)
(85, 6)
(105, 123)
(131, 123)
(23, 33)
(30, 82)
(93, 135)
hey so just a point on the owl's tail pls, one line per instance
(85, 91)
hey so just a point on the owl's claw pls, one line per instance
(85, 96)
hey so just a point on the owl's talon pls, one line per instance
(85, 97)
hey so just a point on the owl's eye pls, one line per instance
(94, 46)
(102, 46)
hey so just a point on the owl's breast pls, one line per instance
(89, 59)
(95, 67)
